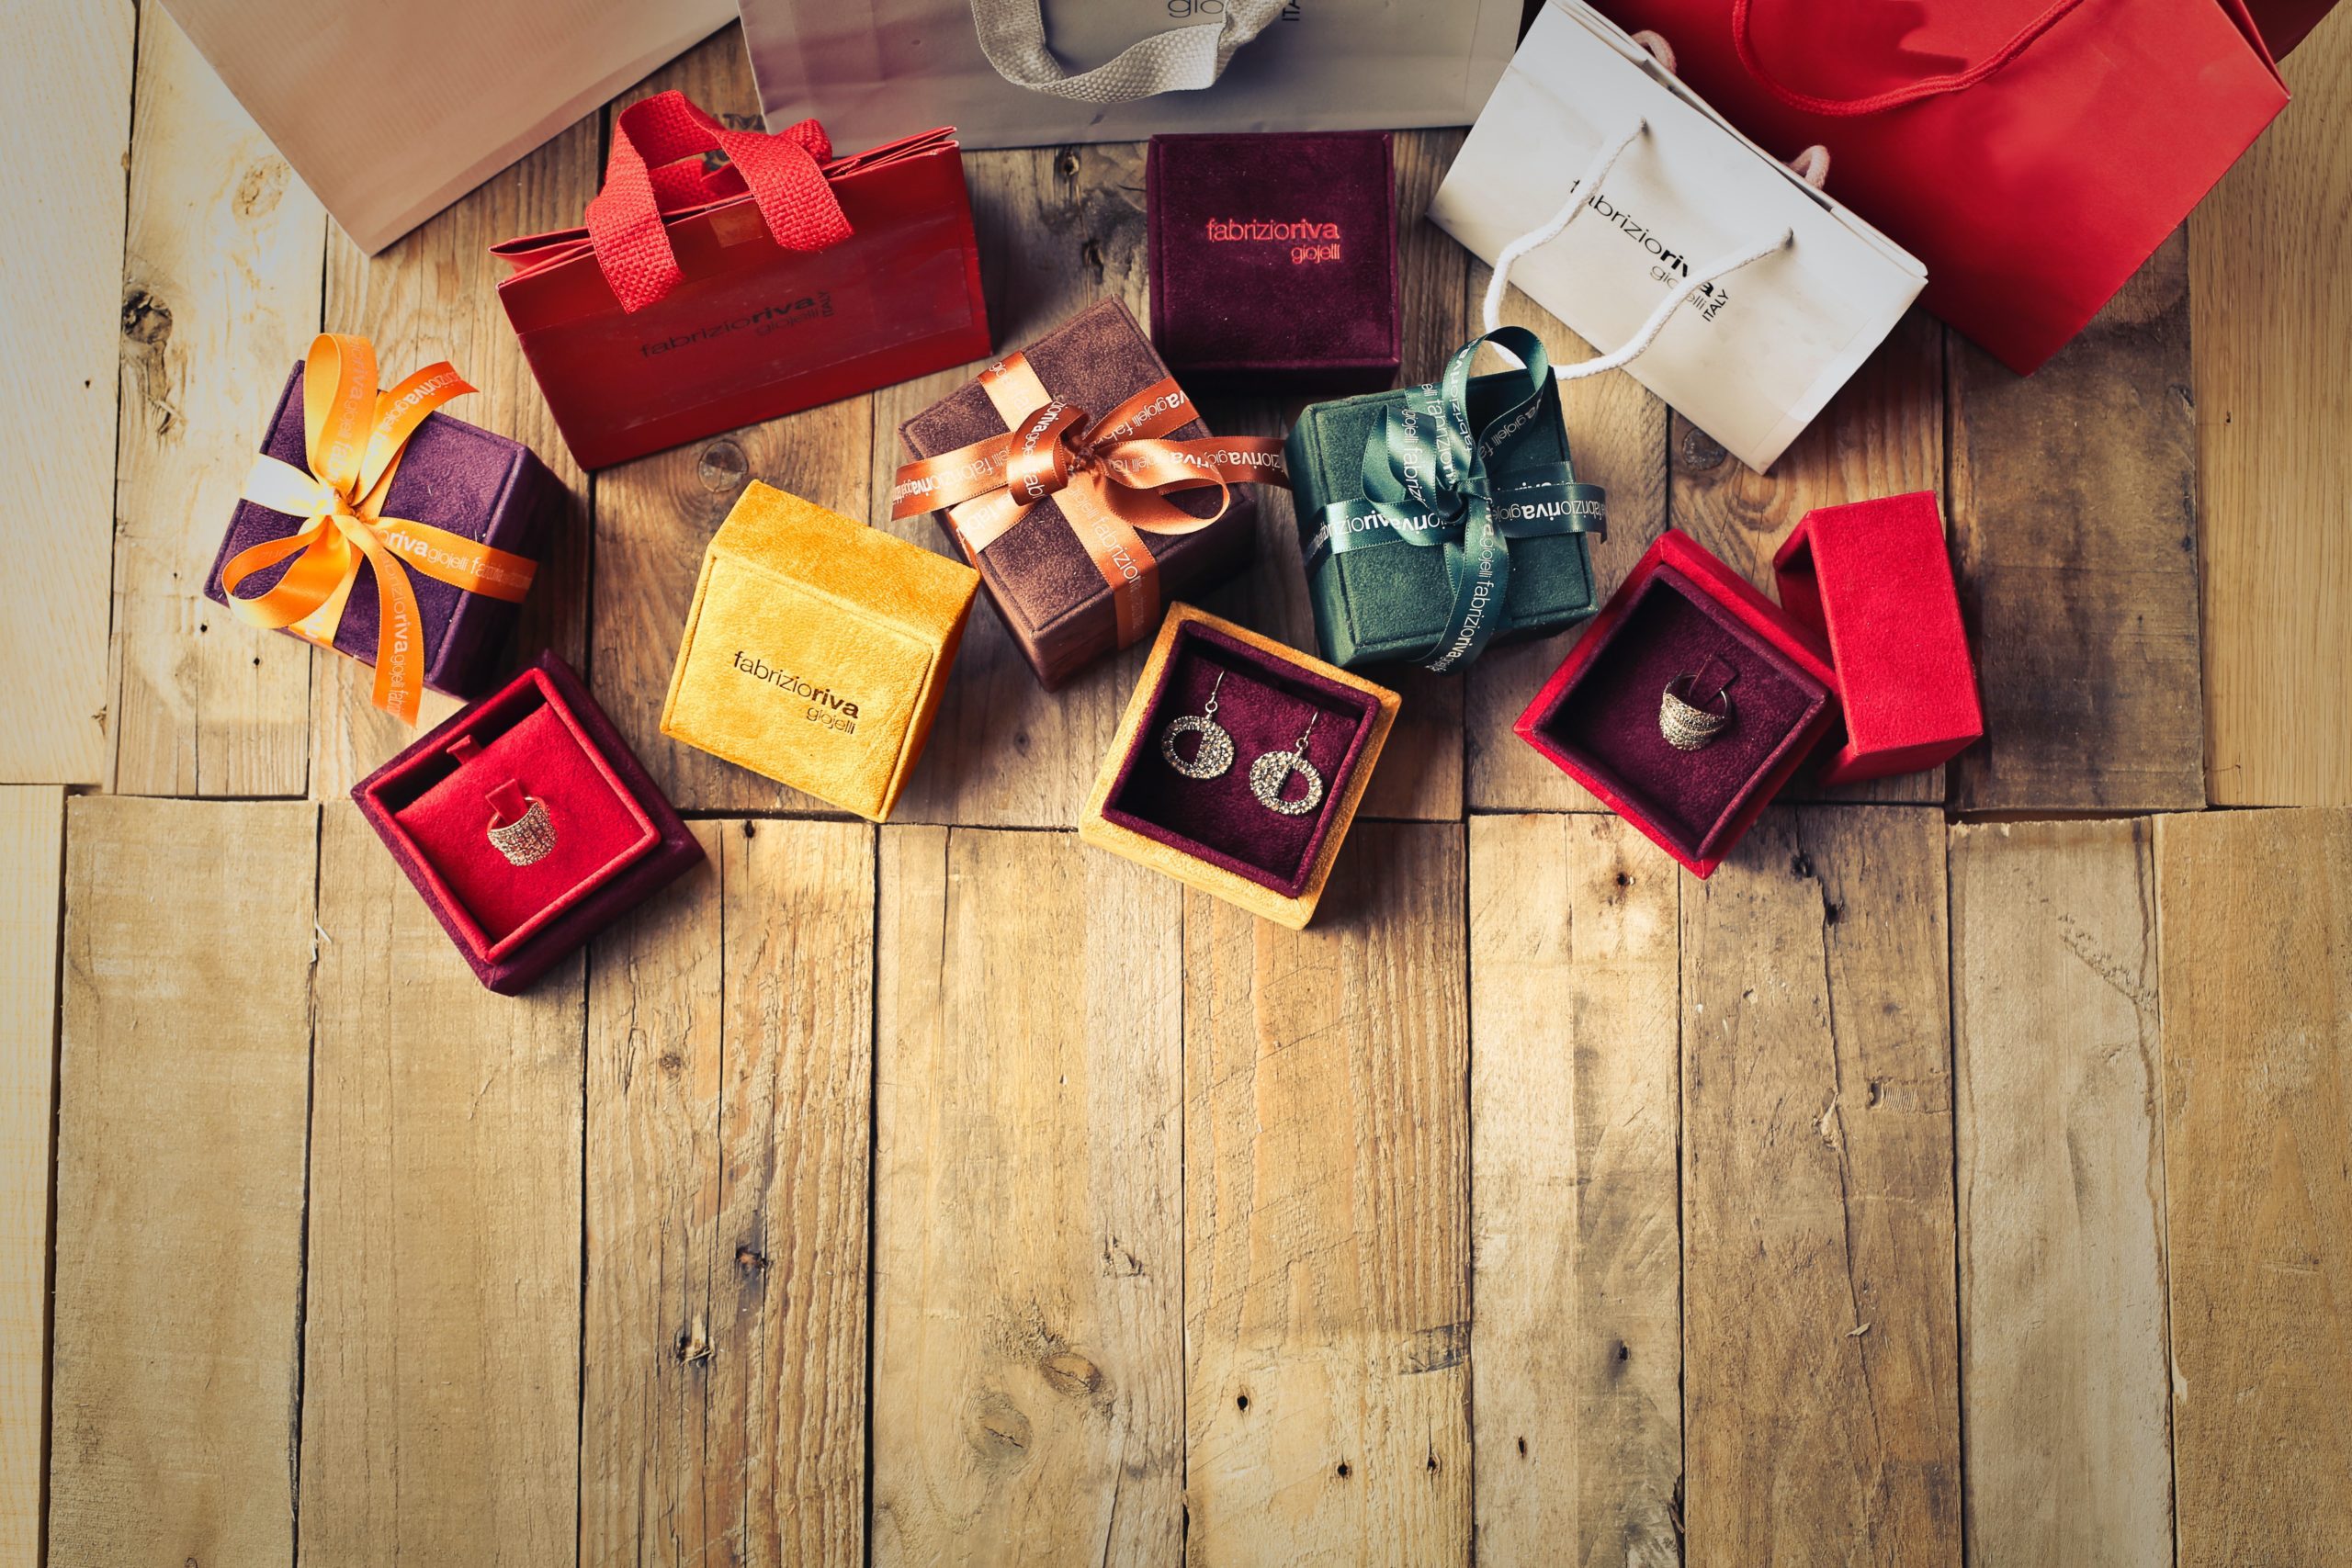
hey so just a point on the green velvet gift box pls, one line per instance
(1383, 595)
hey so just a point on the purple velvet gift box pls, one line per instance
(1273, 260)
(453, 476)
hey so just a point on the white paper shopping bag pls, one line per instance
(1716, 276)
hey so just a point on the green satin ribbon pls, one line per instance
(1430, 481)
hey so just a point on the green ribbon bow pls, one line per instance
(1430, 481)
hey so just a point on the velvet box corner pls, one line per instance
(1873, 581)
(816, 650)
(453, 476)
(1067, 598)
(539, 748)
(1272, 259)
(1217, 833)
(1678, 613)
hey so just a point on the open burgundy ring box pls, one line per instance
(592, 836)
(1682, 613)
(1218, 834)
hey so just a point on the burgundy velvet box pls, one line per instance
(452, 474)
(1873, 582)
(540, 738)
(1680, 611)
(1273, 260)
(1047, 589)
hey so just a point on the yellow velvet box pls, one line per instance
(1266, 707)
(816, 650)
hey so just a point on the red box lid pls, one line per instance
(1872, 583)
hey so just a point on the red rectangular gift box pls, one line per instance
(1872, 583)
(1678, 611)
(1273, 260)
(539, 739)
(453, 476)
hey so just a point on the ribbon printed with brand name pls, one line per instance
(353, 438)
(1431, 481)
(1110, 477)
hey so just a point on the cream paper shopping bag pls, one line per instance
(1717, 276)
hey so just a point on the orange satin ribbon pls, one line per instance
(1110, 479)
(353, 438)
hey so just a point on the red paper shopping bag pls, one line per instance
(694, 301)
(2033, 154)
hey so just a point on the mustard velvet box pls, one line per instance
(1218, 833)
(816, 650)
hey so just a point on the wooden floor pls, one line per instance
(1960, 1175)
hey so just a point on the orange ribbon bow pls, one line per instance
(353, 438)
(1110, 477)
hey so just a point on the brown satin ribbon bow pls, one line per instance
(1111, 478)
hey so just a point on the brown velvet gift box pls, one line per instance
(1052, 597)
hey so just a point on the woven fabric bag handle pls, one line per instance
(1181, 60)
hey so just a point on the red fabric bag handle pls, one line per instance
(1926, 87)
(646, 176)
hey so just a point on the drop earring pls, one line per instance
(1214, 752)
(1271, 774)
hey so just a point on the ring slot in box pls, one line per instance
(816, 650)
(1390, 603)
(1216, 833)
(1682, 611)
(1273, 259)
(539, 745)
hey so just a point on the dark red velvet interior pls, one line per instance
(1263, 704)
(1282, 310)
(1606, 719)
(440, 806)
(452, 474)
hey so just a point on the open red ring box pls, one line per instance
(1681, 610)
(540, 738)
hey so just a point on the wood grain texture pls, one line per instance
(66, 74)
(2270, 305)
(655, 515)
(432, 295)
(730, 1069)
(1617, 434)
(32, 867)
(2256, 929)
(441, 1376)
(1327, 1194)
(221, 292)
(2064, 1377)
(1028, 1241)
(1820, 1414)
(2074, 521)
(1576, 1233)
(1882, 434)
(183, 1081)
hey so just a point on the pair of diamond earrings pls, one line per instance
(1269, 775)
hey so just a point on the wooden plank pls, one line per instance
(730, 1069)
(1882, 434)
(182, 1092)
(2074, 521)
(1575, 1230)
(1028, 1379)
(222, 289)
(654, 516)
(432, 295)
(2255, 910)
(1820, 1411)
(2063, 1379)
(1617, 434)
(440, 1391)
(1326, 1278)
(2271, 310)
(32, 868)
(67, 69)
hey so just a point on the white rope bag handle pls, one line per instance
(1181, 60)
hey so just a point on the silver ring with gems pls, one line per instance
(1685, 725)
(528, 840)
